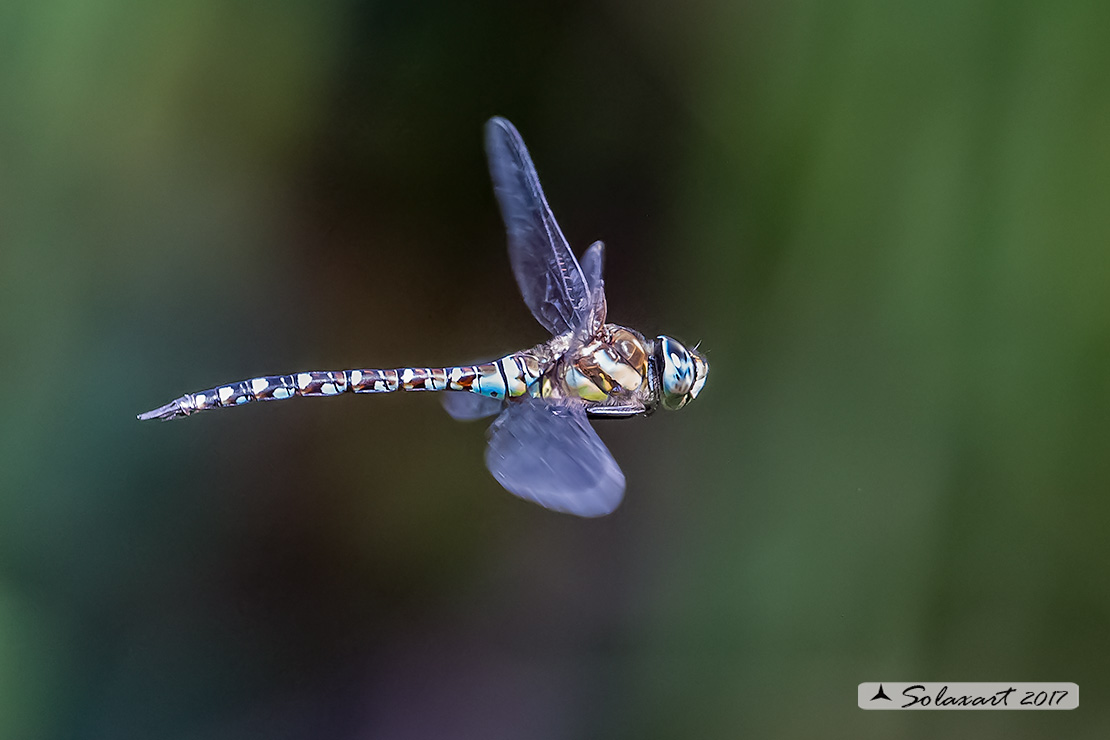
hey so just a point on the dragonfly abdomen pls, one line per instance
(509, 377)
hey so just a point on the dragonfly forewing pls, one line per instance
(546, 271)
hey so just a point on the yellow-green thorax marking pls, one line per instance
(612, 366)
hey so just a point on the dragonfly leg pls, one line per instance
(617, 412)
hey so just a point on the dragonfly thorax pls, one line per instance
(613, 368)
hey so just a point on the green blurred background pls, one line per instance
(886, 221)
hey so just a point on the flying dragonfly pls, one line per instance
(541, 447)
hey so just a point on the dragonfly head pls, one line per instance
(681, 371)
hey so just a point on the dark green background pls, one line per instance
(887, 222)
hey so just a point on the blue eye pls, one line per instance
(677, 373)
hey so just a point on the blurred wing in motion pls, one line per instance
(545, 269)
(592, 261)
(463, 406)
(548, 453)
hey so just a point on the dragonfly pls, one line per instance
(542, 446)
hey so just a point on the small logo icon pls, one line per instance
(881, 695)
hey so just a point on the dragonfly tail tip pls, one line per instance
(170, 411)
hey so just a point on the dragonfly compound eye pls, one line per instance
(681, 372)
